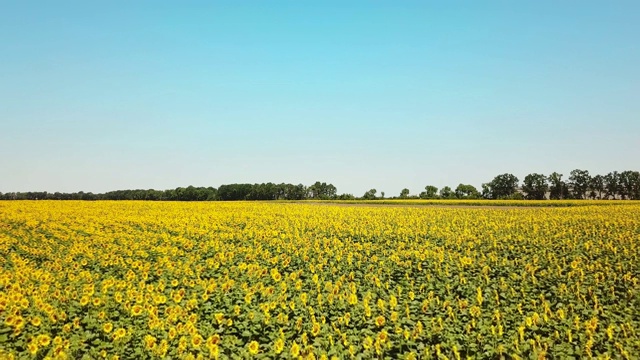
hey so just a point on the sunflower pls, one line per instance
(36, 321)
(393, 301)
(275, 274)
(353, 299)
(253, 347)
(278, 346)
(367, 343)
(383, 336)
(196, 341)
(136, 310)
(107, 327)
(32, 348)
(149, 342)
(295, 349)
(214, 350)
(10, 320)
(219, 317)
(119, 334)
(380, 321)
(394, 316)
(475, 311)
(44, 340)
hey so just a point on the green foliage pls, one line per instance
(579, 181)
(502, 186)
(580, 185)
(467, 192)
(404, 193)
(431, 192)
(370, 195)
(447, 193)
(535, 186)
(596, 187)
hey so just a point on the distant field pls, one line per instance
(484, 203)
(229, 280)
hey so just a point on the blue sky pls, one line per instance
(98, 96)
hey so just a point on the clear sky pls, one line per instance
(105, 95)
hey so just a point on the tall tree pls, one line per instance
(447, 193)
(430, 192)
(503, 186)
(465, 191)
(596, 187)
(579, 181)
(535, 186)
(630, 184)
(612, 185)
(370, 195)
(486, 191)
(558, 189)
(404, 193)
(322, 191)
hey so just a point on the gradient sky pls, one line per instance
(98, 96)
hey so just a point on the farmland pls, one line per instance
(293, 280)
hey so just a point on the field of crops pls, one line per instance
(134, 280)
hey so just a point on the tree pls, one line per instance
(503, 186)
(579, 181)
(430, 192)
(535, 186)
(404, 193)
(596, 187)
(486, 191)
(466, 192)
(294, 192)
(630, 184)
(447, 193)
(346, 197)
(382, 194)
(612, 185)
(322, 191)
(558, 189)
(370, 195)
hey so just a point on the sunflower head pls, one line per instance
(253, 347)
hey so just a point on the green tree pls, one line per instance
(430, 192)
(630, 184)
(447, 193)
(558, 189)
(535, 186)
(596, 187)
(612, 185)
(404, 193)
(503, 186)
(579, 181)
(370, 195)
(465, 191)
(486, 191)
(322, 191)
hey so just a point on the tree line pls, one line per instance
(580, 184)
(264, 191)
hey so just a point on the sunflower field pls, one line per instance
(222, 280)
